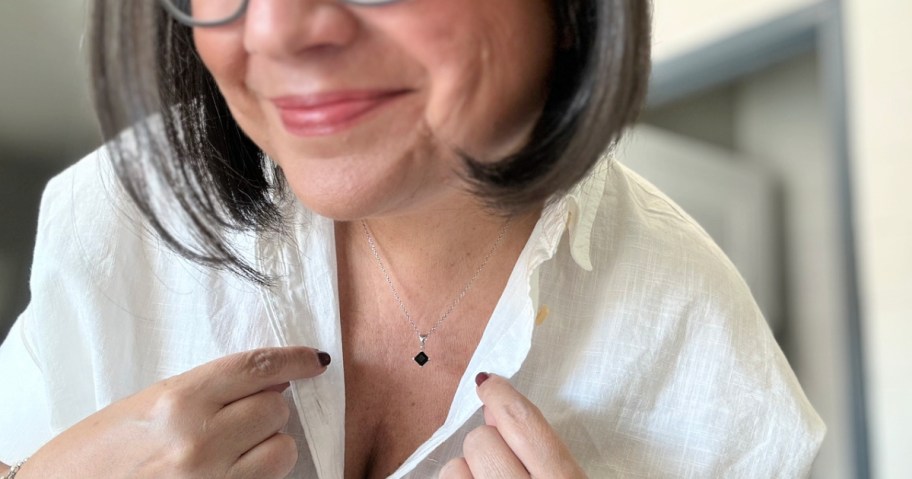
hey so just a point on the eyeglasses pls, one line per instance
(214, 13)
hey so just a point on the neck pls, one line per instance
(430, 254)
(445, 238)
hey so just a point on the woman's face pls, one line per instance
(364, 107)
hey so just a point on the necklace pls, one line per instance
(422, 358)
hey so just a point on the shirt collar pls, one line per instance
(578, 208)
(301, 317)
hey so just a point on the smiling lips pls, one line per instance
(329, 113)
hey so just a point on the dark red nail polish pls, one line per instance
(480, 378)
(324, 358)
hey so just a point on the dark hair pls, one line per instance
(148, 77)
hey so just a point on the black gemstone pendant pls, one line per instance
(422, 359)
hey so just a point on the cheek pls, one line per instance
(223, 55)
(487, 65)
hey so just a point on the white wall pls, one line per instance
(682, 25)
(45, 107)
(879, 42)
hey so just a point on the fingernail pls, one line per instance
(324, 358)
(480, 378)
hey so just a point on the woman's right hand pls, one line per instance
(221, 419)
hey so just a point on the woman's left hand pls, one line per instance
(516, 440)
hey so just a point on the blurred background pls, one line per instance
(781, 125)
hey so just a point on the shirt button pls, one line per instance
(542, 315)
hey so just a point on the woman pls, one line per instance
(341, 226)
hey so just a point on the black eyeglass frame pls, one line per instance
(188, 20)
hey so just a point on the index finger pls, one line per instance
(525, 430)
(237, 376)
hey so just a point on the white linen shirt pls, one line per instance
(622, 321)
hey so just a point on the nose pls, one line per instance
(288, 27)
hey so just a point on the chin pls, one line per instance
(352, 187)
(376, 197)
(340, 212)
(345, 202)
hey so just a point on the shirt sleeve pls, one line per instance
(24, 407)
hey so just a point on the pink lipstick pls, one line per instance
(328, 113)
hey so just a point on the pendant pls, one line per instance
(422, 358)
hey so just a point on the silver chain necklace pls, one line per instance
(422, 358)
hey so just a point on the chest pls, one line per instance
(393, 405)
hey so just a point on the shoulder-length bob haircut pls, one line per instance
(185, 145)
